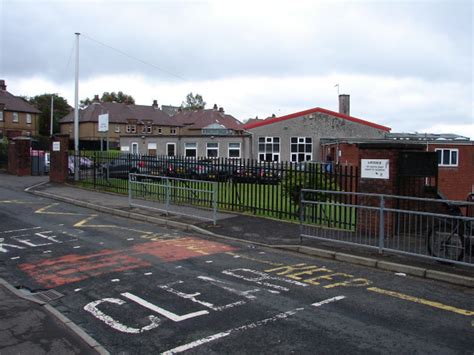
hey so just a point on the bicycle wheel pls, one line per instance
(446, 241)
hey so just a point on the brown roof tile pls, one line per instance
(15, 103)
(202, 118)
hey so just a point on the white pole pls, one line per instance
(51, 124)
(76, 112)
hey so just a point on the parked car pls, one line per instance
(122, 166)
(84, 163)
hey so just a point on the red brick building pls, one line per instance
(455, 156)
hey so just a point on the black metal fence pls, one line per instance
(3, 155)
(270, 189)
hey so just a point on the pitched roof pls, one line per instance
(202, 118)
(15, 103)
(120, 113)
(315, 110)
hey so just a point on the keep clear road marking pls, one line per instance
(44, 210)
(425, 302)
(245, 327)
(20, 230)
(83, 224)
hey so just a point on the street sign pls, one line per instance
(375, 168)
(103, 123)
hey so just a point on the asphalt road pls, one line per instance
(138, 288)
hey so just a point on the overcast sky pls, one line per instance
(406, 64)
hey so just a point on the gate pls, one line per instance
(39, 157)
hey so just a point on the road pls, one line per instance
(138, 288)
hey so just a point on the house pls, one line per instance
(17, 116)
(208, 133)
(296, 137)
(453, 157)
(123, 119)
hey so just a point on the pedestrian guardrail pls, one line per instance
(174, 195)
(431, 228)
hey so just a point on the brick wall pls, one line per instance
(19, 159)
(58, 170)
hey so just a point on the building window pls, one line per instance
(212, 150)
(117, 129)
(28, 118)
(269, 148)
(147, 128)
(234, 150)
(190, 149)
(160, 131)
(1, 116)
(171, 149)
(15, 117)
(301, 149)
(134, 148)
(131, 128)
(447, 157)
(172, 130)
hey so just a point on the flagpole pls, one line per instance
(76, 112)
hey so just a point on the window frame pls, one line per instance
(167, 149)
(132, 145)
(308, 156)
(229, 148)
(216, 149)
(441, 157)
(269, 141)
(15, 117)
(195, 148)
(1, 116)
(28, 118)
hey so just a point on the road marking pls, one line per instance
(82, 224)
(253, 259)
(19, 230)
(16, 201)
(44, 210)
(76, 247)
(220, 335)
(329, 300)
(170, 315)
(425, 302)
(115, 280)
(148, 273)
(15, 257)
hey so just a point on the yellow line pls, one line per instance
(253, 259)
(434, 304)
(43, 210)
(16, 201)
(82, 224)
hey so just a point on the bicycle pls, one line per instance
(450, 237)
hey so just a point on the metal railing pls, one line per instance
(175, 195)
(431, 228)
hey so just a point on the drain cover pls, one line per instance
(48, 296)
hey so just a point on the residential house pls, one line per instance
(296, 137)
(202, 133)
(138, 120)
(17, 116)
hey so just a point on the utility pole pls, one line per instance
(76, 113)
(51, 123)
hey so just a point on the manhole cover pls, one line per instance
(48, 296)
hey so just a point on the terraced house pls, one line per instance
(17, 116)
(137, 120)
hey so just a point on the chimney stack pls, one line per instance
(344, 104)
(3, 86)
(155, 104)
(221, 109)
(96, 99)
(215, 107)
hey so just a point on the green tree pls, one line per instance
(193, 102)
(43, 103)
(119, 97)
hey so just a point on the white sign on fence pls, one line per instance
(103, 123)
(375, 168)
(56, 146)
(125, 148)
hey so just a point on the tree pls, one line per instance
(119, 97)
(193, 102)
(43, 103)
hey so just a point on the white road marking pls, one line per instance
(77, 289)
(15, 257)
(262, 252)
(148, 273)
(170, 315)
(19, 230)
(220, 335)
(115, 280)
(47, 251)
(130, 238)
(209, 261)
(329, 300)
(178, 267)
(400, 274)
(76, 247)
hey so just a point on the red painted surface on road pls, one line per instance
(181, 248)
(73, 267)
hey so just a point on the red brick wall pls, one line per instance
(58, 170)
(455, 183)
(19, 159)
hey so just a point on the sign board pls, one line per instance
(375, 168)
(56, 146)
(124, 148)
(151, 146)
(103, 123)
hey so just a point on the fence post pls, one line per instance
(167, 202)
(130, 190)
(301, 216)
(214, 202)
(381, 224)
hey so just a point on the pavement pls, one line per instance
(25, 321)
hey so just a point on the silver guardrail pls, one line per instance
(431, 228)
(186, 197)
